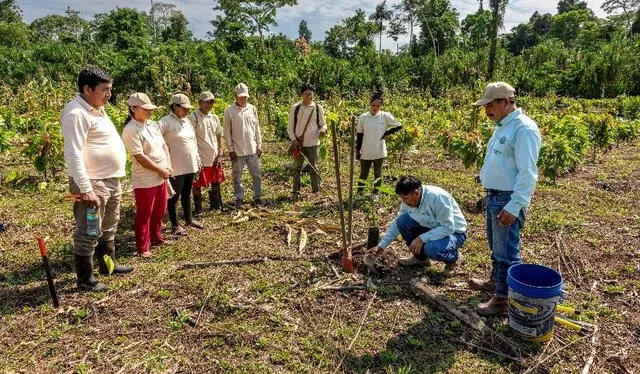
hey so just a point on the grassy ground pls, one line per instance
(272, 316)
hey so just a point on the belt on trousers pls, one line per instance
(495, 192)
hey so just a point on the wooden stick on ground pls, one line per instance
(592, 357)
(364, 317)
(531, 369)
(244, 261)
(468, 317)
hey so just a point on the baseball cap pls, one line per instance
(241, 90)
(142, 100)
(206, 96)
(182, 100)
(496, 90)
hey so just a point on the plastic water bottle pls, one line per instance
(92, 221)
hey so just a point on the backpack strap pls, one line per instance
(295, 118)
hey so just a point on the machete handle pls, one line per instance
(43, 246)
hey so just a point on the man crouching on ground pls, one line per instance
(430, 222)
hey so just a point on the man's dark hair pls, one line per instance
(407, 184)
(92, 76)
(305, 87)
(376, 96)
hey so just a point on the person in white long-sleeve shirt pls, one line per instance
(305, 128)
(244, 143)
(509, 175)
(96, 158)
(431, 224)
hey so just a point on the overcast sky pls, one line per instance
(320, 15)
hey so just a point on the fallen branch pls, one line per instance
(531, 369)
(468, 317)
(344, 288)
(364, 317)
(486, 349)
(594, 339)
(616, 360)
(245, 261)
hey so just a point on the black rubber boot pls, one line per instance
(86, 281)
(215, 197)
(197, 202)
(109, 249)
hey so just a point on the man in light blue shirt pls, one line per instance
(430, 222)
(509, 175)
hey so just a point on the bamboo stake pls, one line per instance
(351, 164)
(347, 261)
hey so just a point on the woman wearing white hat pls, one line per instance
(150, 170)
(181, 139)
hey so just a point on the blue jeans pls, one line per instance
(443, 250)
(504, 242)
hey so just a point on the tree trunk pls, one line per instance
(380, 43)
(410, 35)
(433, 40)
(494, 42)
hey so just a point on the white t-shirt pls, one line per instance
(92, 146)
(207, 128)
(146, 140)
(181, 140)
(373, 128)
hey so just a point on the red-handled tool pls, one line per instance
(47, 269)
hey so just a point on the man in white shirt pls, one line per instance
(96, 159)
(244, 142)
(306, 127)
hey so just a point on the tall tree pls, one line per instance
(258, 15)
(541, 23)
(396, 28)
(497, 18)
(122, 28)
(568, 25)
(569, 5)
(381, 14)
(229, 25)
(10, 11)
(475, 29)
(303, 30)
(177, 29)
(159, 18)
(628, 8)
(61, 28)
(438, 24)
(354, 31)
(408, 12)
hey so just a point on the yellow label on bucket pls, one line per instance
(526, 309)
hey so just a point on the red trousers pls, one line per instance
(208, 175)
(151, 203)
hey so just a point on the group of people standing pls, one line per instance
(180, 155)
(177, 157)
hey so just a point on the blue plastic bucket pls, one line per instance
(534, 292)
